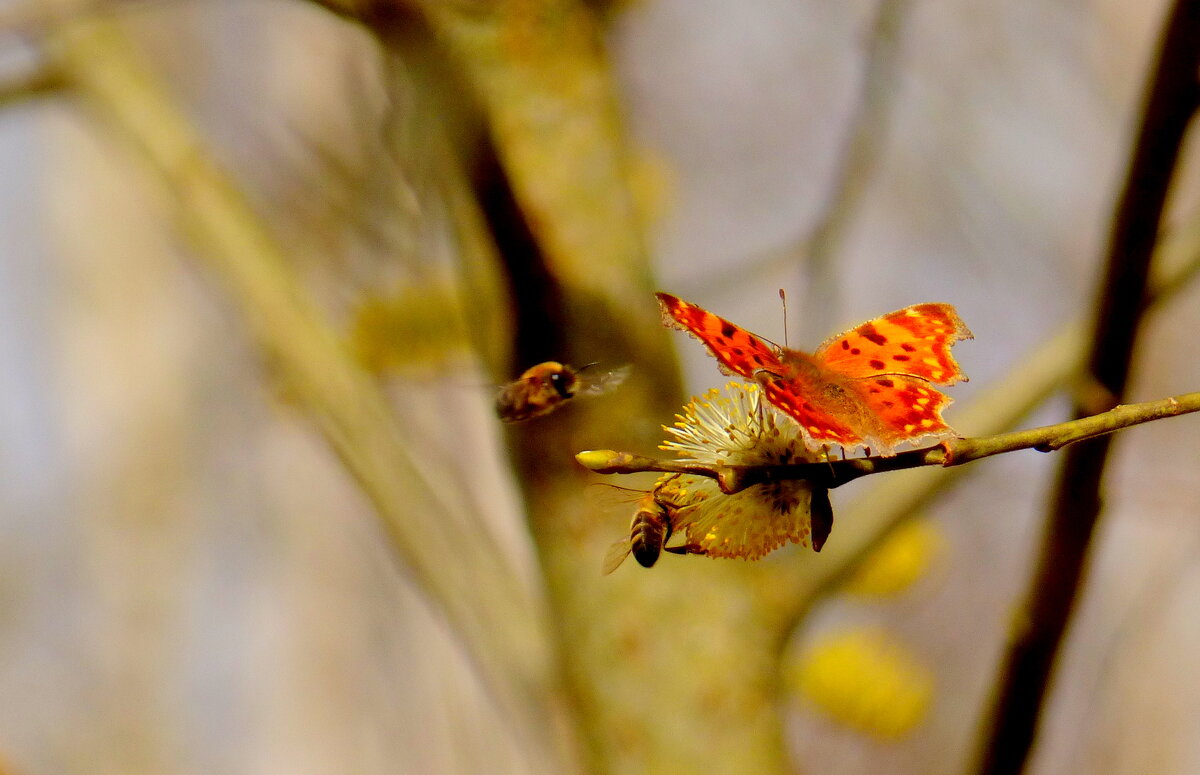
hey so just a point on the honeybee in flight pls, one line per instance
(654, 522)
(545, 387)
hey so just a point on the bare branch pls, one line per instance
(858, 161)
(29, 84)
(954, 452)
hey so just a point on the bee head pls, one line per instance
(563, 381)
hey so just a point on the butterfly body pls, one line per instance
(826, 393)
(871, 386)
(546, 387)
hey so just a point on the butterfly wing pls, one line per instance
(738, 352)
(914, 341)
(892, 364)
(793, 381)
(870, 386)
(904, 409)
(823, 418)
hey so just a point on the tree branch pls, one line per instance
(954, 452)
(28, 84)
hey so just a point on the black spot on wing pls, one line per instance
(869, 332)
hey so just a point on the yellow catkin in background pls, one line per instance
(899, 561)
(865, 679)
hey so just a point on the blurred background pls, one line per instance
(264, 262)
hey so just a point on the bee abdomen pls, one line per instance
(650, 531)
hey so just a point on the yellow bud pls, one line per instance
(902, 559)
(599, 459)
(866, 680)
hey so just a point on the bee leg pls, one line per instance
(685, 549)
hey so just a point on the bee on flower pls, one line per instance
(735, 427)
(655, 519)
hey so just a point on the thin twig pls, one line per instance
(953, 452)
(28, 84)
(858, 160)
(1076, 503)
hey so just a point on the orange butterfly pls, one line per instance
(871, 386)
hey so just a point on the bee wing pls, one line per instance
(615, 555)
(603, 381)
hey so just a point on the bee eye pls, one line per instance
(563, 383)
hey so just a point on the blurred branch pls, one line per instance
(28, 84)
(21, 23)
(1076, 504)
(953, 452)
(858, 160)
(450, 553)
(554, 181)
(539, 71)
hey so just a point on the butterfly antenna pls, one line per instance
(783, 300)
